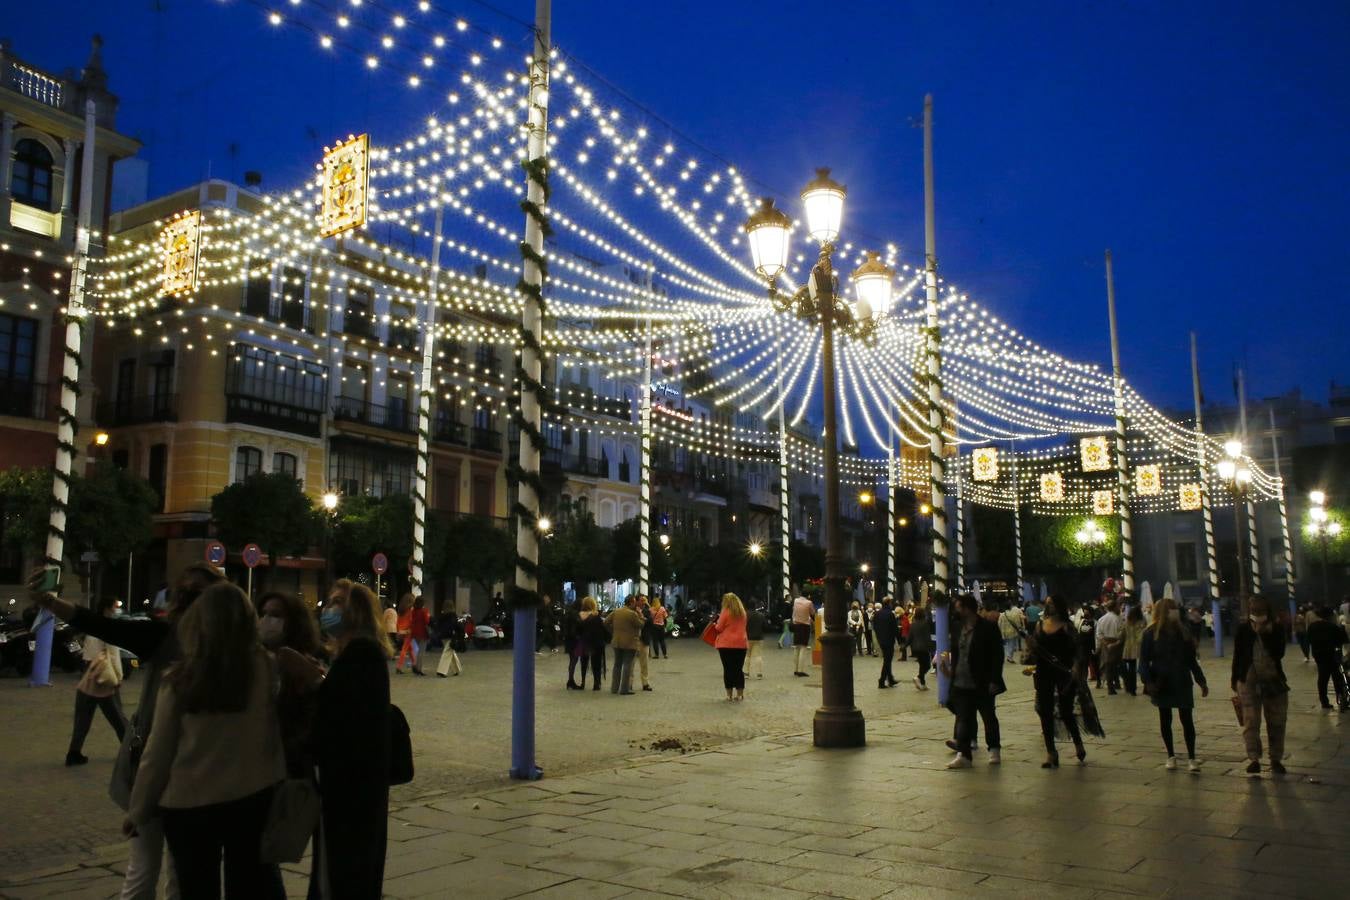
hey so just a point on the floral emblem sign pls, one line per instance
(1147, 481)
(1052, 486)
(1190, 496)
(1103, 503)
(346, 182)
(182, 239)
(1096, 454)
(985, 464)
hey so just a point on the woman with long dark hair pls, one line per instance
(1057, 670)
(215, 754)
(921, 644)
(1167, 662)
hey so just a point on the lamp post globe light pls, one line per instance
(330, 505)
(838, 722)
(1321, 526)
(1235, 473)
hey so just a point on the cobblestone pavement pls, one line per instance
(759, 811)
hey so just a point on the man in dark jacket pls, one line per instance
(1325, 640)
(887, 630)
(976, 670)
(153, 641)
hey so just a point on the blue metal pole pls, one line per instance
(1217, 612)
(44, 628)
(941, 617)
(522, 696)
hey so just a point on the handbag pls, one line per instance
(1237, 708)
(400, 747)
(291, 820)
(105, 673)
(133, 741)
(710, 634)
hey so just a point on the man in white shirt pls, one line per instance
(1110, 630)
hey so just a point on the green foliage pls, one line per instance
(578, 550)
(1338, 546)
(807, 562)
(1050, 543)
(476, 549)
(269, 509)
(627, 549)
(111, 513)
(25, 503)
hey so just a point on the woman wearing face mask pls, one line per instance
(97, 689)
(351, 746)
(1259, 684)
(1168, 663)
(284, 621)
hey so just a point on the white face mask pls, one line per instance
(271, 630)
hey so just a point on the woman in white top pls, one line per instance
(97, 689)
(215, 753)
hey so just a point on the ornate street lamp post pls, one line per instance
(1321, 527)
(1235, 473)
(838, 722)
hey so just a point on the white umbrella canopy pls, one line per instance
(923, 593)
(1028, 592)
(1045, 590)
(975, 590)
(1146, 595)
(1168, 592)
(908, 592)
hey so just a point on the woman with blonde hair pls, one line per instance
(1167, 662)
(215, 754)
(731, 644)
(591, 644)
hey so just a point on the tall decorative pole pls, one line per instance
(526, 475)
(1017, 519)
(1122, 461)
(933, 376)
(68, 424)
(892, 498)
(959, 573)
(784, 499)
(1253, 545)
(645, 464)
(425, 394)
(1284, 523)
(1206, 511)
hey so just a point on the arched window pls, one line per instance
(31, 182)
(285, 462)
(247, 461)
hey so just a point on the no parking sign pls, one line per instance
(215, 553)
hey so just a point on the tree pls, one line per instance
(269, 509)
(807, 562)
(627, 548)
(111, 514)
(477, 550)
(578, 551)
(25, 503)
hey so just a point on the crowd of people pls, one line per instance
(248, 705)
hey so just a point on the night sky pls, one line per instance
(1207, 144)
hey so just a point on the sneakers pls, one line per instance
(959, 762)
(1254, 768)
(1193, 766)
(1277, 767)
(995, 758)
(1171, 764)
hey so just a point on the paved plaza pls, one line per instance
(756, 811)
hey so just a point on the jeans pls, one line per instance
(887, 651)
(412, 650)
(1187, 729)
(659, 643)
(964, 702)
(733, 663)
(1009, 647)
(925, 659)
(643, 654)
(1326, 669)
(200, 836)
(984, 705)
(754, 657)
(112, 711)
(144, 863)
(1275, 708)
(622, 678)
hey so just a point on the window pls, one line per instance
(18, 348)
(258, 288)
(625, 469)
(293, 297)
(255, 372)
(482, 495)
(356, 318)
(1187, 566)
(285, 463)
(403, 327)
(158, 471)
(247, 461)
(31, 182)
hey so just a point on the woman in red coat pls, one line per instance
(731, 644)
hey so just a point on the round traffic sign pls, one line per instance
(215, 553)
(252, 555)
(379, 563)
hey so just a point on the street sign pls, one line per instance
(252, 555)
(379, 563)
(215, 553)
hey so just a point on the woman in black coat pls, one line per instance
(1057, 674)
(351, 749)
(1168, 664)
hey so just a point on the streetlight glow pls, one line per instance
(1232, 447)
(330, 501)
(1318, 498)
(545, 524)
(1334, 529)
(665, 540)
(925, 509)
(1226, 469)
(101, 438)
(767, 233)
(755, 548)
(823, 198)
(865, 498)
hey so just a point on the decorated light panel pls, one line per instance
(1103, 503)
(1190, 496)
(346, 184)
(1147, 481)
(1096, 454)
(1052, 486)
(182, 241)
(984, 464)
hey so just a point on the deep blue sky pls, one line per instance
(1206, 143)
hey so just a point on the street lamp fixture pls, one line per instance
(101, 438)
(1321, 526)
(330, 501)
(925, 509)
(865, 498)
(1238, 475)
(665, 540)
(755, 549)
(1091, 533)
(902, 521)
(545, 524)
(838, 722)
(1318, 498)
(864, 568)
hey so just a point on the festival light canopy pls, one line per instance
(647, 237)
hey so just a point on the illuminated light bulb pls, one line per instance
(372, 62)
(343, 21)
(1318, 498)
(1232, 447)
(325, 41)
(274, 18)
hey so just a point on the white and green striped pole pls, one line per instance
(426, 391)
(1284, 522)
(1206, 511)
(784, 501)
(1122, 461)
(1253, 544)
(645, 465)
(1017, 521)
